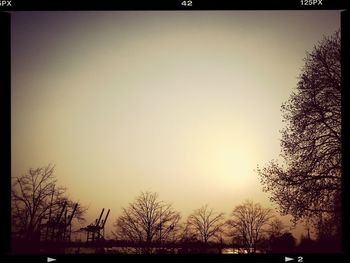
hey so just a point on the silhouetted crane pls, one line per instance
(59, 227)
(95, 231)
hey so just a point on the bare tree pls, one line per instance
(247, 224)
(35, 199)
(204, 224)
(308, 184)
(148, 220)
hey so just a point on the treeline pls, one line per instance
(41, 210)
(250, 228)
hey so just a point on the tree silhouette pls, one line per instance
(148, 220)
(307, 245)
(308, 184)
(279, 240)
(247, 224)
(205, 224)
(35, 197)
(276, 227)
(284, 243)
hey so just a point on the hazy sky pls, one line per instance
(182, 103)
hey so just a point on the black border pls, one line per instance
(81, 5)
(5, 146)
(254, 258)
(28, 5)
(345, 44)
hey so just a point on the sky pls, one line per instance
(185, 104)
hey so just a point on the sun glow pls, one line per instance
(222, 155)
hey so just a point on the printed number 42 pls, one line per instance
(186, 3)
